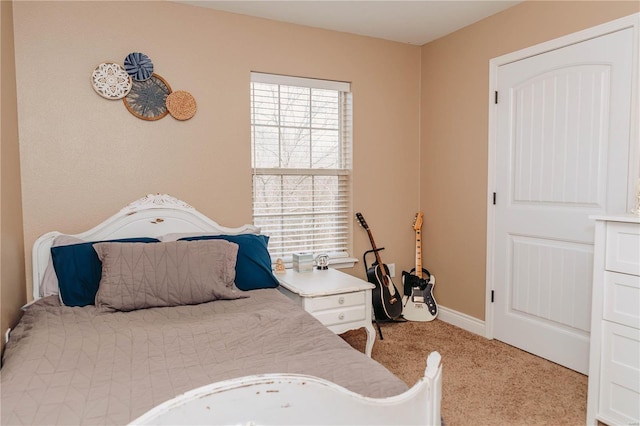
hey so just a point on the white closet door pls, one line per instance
(562, 154)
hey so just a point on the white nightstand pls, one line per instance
(339, 301)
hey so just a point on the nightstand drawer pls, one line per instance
(313, 304)
(340, 301)
(340, 316)
(623, 248)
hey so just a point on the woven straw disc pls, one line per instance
(181, 105)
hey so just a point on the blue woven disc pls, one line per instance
(138, 66)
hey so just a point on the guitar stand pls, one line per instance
(366, 268)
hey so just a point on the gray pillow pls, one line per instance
(138, 275)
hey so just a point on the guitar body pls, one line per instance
(419, 304)
(418, 301)
(385, 304)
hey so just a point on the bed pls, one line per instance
(245, 354)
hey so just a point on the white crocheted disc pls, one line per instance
(111, 81)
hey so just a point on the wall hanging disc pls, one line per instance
(110, 81)
(181, 105)
(147, 99)
(138, 66)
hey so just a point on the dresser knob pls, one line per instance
(341, 301)
(341, 317)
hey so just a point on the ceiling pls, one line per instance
(415, 22)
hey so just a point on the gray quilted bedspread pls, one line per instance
(77, 366)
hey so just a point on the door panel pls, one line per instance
(562, 144)
(539, 263)
(558, 142)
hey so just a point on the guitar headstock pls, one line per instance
(360, 218)
(417, 222)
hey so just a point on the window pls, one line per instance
(301, 157)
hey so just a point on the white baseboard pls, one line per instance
(464, 321)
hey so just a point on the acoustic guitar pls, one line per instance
(387, 300)
(418, 301)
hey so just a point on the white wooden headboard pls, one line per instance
(151, 216)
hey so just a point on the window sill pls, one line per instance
(345, 262)
(336, 263)
(336, 260)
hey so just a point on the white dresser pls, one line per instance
(614, 357)
(339, 301)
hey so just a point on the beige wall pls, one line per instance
(84, 157)
(12, 271)
(454, 128)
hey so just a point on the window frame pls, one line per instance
(344, 258)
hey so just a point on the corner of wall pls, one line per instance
(12, 270)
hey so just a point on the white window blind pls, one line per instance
(301, 156)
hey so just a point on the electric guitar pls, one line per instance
(387, 300)
(418, 301)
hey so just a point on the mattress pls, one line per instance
(76, 365)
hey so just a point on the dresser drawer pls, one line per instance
(622, 299)
(313, 304)
(623, 248)
(340, 316)
(620, 387)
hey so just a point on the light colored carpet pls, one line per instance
(485, 382)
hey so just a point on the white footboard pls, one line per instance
(289, 399)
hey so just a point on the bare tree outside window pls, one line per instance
(301, 144)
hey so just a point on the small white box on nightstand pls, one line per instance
(302, 262)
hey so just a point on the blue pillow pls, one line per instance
(79, 270)
(253, 264)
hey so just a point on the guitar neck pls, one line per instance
(375, 249)
(418, 253)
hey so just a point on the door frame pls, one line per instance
(631, 21)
